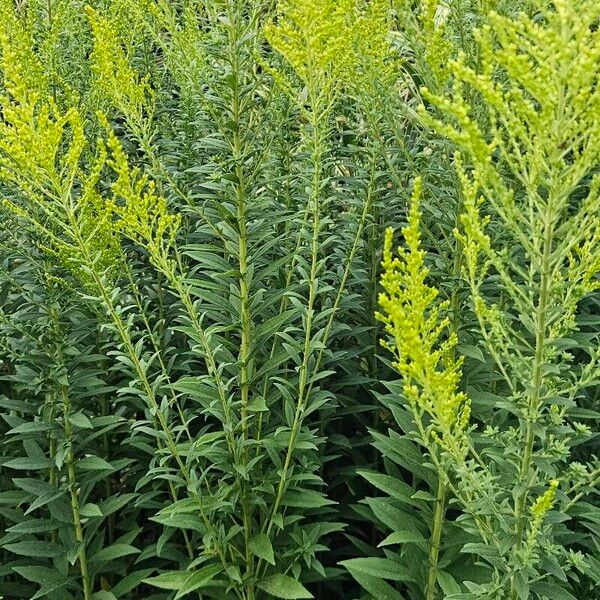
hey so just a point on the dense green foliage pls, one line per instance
(220, 379)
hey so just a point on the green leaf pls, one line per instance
(258, 404)
(392, 517)
(198, 579)
(48, 588)
(390, 485)
(39, 574)
(115, 503)
(18, 405)
(283, 586)
(405, 537)
(481, 549)
(377, 587)
(80, 421)
(35, 427)
(130, 582)
(179, 521)
(305, 499)
(448, 584)
(37, 549)
(260, 545)
(28, 464)
(473, 352)
(552, 590)
(187, 505)
(171, 580)
(43, 500)
(104, 595)
(34, 526)
(113, 552)
(93, 463)
(34, 486)
(382, 568)
(90, 510)
(423, 495)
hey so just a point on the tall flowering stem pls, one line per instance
(528, 172)
(423, 346)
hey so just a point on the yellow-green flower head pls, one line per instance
(143, 215)
(544, 502)
(74, 222)
(419, 338)
(435, 43)
(539, 509)
(41, 148)
(30, 131)
(310, 35)
(24, 77)
(119, 82)
(333, 42)
(526, 123)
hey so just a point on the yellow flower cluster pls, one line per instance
(544, 502)
(438, 48)
(539, 509)
(548, 76)
(23, 73)
(424, 350)
(528, 150)
(143, 216)
(41, 150)
(76, 226)
(118, 81)
(373, 57)
(29, 135)
(334, 42)
(56, 197)
(92, 241)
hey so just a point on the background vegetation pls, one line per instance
(299, 299)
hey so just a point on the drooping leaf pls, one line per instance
(284, 586)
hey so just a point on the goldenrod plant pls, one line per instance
(531, 171)
(425, 356)
(528, 238)
(116, 80)
(211, 212)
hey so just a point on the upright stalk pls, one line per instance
(314, 203)
(148, 389)
(53, 471)
(436, 536)
(86, 581)
(137, 298)
(534, 398)
(245, 316)
(122, 330)
(75, 509)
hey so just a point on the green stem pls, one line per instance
(282, 307)
(183, 293)
(436, 536)
(121, 328)
(53, 471)
(111, 522)
(169, 440)
(127, 341)
(238, 151)
(537, 376)
(72, 479)
(314, 203)
(137, 297)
